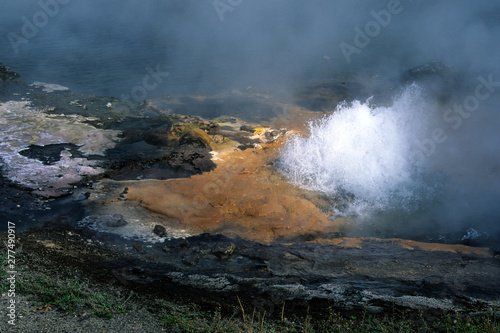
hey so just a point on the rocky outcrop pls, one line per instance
(55, 139)
(346, 274)
(367, 274)
(49, 153)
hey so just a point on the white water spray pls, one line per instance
(365, 152)
(370, 160)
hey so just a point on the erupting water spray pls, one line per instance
(364, 155)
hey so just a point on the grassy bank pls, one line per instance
(55, 288)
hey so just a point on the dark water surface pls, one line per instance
(105, 47)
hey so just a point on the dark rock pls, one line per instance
(116, 220)
(196, 138)
(160, 230)
(373, 276)
(247, 128)
(6, 74)
(223, 249)
(191, 159)
(122, 195)
(50, 154)
(184, 244)
(246, 146)
(160, 138)
(203, 164)
(190, 259)
(433, 280)
(139, 248)
(203, 249)
(152, 149)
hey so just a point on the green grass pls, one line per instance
(191, 319)
(70, 295)
(63, 293)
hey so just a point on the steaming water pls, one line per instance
(364, 157)
(361, 150)
(104, 47)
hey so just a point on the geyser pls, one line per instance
(368, 159)
(361, 150)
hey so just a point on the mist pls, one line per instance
(102, 46)
(208, 47)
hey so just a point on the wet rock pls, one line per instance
(223, 250)
(474, 238)
(116, 220)
(50, 154)
(160, 230)
(161, 138)
(64, 144)
(6, 74)
(160, 148)
(189, 158)
(233, 133)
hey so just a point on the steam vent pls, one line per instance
(293, 172)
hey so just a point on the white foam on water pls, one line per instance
(366, 152)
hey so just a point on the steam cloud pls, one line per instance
(96, 45)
